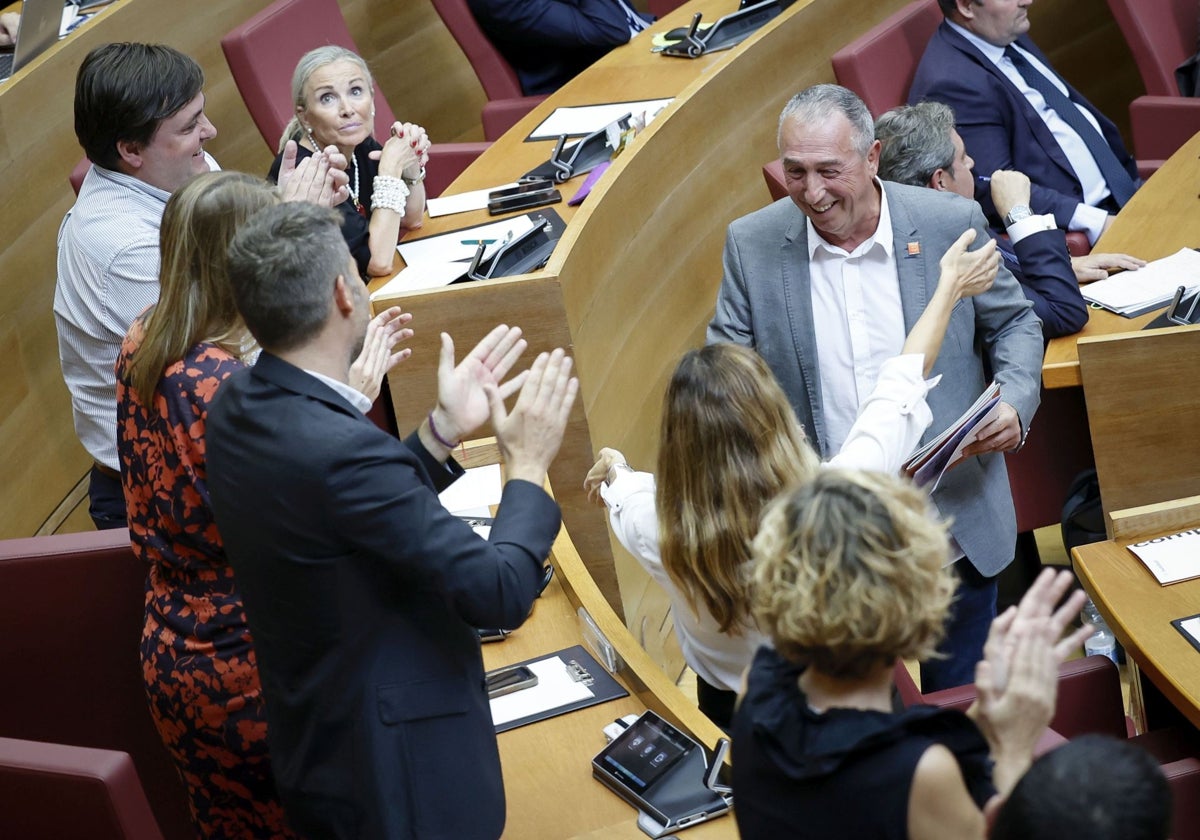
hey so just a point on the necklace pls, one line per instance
(354, 189)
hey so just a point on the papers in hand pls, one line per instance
(928, 464)
(1172, 558)
(584, 119)
(1131, 293)
(438, 261)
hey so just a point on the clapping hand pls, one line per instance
(600, 471)
(379, 354)
(319, 178)
(529, 436)
(462, 404)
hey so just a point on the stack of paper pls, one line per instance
(928, 464)
(1172, 558)
(580, 120)
(1133, 293)
(437, 261)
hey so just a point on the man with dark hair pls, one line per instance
(826, 283)
(921, 147)
(139, 116)
(1092, 787)
(1015, 112)
(549, 42)
(361, 591)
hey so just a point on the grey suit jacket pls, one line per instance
(765, 303)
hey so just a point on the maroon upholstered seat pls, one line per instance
(54, 791)
(879, 65)
(262, 54)
(1160, 34)
(506, 103)
(71, 614)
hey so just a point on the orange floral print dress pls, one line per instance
(197, 657)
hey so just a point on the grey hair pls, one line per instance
(309, 63)
(916, 142)
(283, 263)
(819, 102)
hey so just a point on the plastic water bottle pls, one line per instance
(1102, 641)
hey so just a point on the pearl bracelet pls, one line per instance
(389, 193)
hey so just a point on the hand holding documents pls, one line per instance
(1171, 558)
(928, 464)
(1133, 293)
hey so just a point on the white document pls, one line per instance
(556, 687)
(1131, 292)
(463, 202)
(460, 245)
(1191, 628)
(418, 277)
(1171, 558)
(584, 119)
(474, 493)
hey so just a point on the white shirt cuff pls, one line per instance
(1028, 226)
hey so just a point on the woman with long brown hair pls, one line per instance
(198, 660)
(730, 442)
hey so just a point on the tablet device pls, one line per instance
(663, 773)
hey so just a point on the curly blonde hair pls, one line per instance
(850, 573)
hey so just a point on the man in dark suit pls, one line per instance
(921, 147)
(1014, 112)
(825, 285)
(549, 42)
(362, 592)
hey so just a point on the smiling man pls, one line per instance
(1014, 112)
(826, 283)
(139, 116)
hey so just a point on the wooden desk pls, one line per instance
(547, 765)
(1162, 217)
(1140, 612)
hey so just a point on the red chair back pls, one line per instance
(72, 608)
(262, 54)
(497, 76)
(79, 173)
(879, 66)
(50, 791)
(1161, 34)
(773, 175)
(1058, 448)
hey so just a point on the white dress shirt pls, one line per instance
(1087, 216)
(858, 320)
(353, 396)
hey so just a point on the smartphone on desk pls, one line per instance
(507, 680)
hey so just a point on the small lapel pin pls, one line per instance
(914, 249)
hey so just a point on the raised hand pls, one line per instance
(462, 404)
(319, 178)
(529, 436)
(379, 354)
(968, 273)
(600, 472)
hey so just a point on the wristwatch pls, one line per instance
(1016, 214)
(421, 177)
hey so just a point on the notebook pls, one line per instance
(40, 22)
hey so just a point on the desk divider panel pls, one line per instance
(1143, 408)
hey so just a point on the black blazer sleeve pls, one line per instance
(1049, 282)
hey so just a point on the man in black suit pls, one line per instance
(921, 147)
(549, 42)
(362, 592)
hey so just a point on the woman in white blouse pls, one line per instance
(730, 443)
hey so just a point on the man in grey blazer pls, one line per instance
(826, 285)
